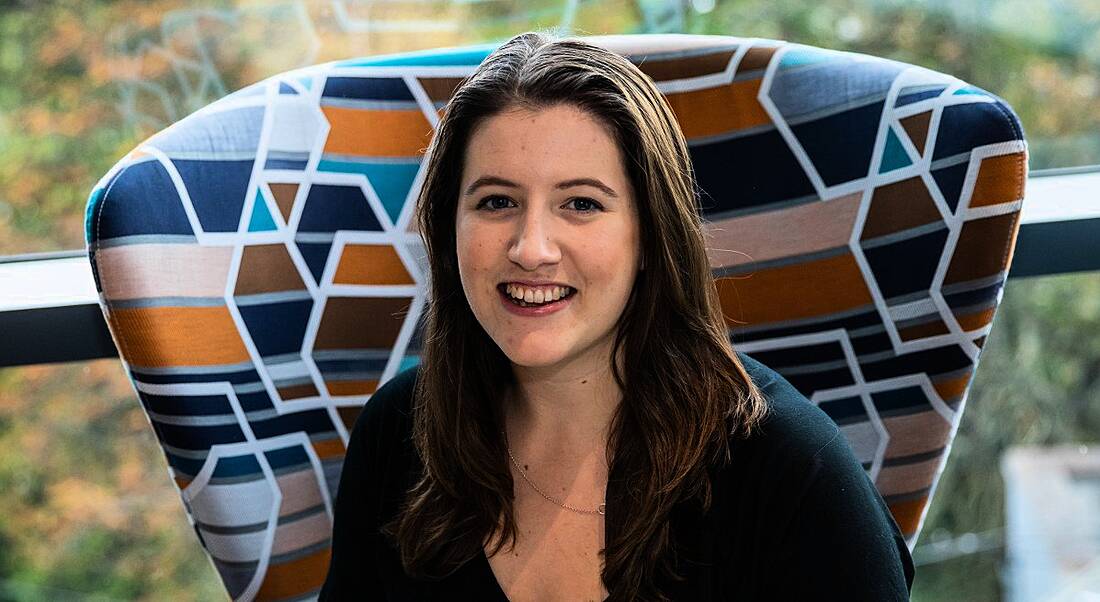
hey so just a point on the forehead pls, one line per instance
(553, 142)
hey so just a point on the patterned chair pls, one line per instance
(261, 276)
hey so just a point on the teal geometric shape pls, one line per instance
(427, 58)
(261, 218)
(391, 181)
(894, 155)
(968, 90)
(799, 56)
(408, 362)
(89, 211)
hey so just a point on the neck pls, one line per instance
(567, 408)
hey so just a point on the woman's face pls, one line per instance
(546, 210)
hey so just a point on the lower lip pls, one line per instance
(541, 310)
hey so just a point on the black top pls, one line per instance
(794, 516)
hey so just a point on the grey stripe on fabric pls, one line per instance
(148, 239)
(683, 54)
(299, 515)
(733, 135)
(268, 298)
(339, 376)
(291, 468)
(907, 298)
(973, 285)
(189, 454)
(840, 315)
(193, 370)
(351, 354)
(194, 420)
(166, 302)
(238, 479)
(245, 565)
(282, 358)
(410, 160)
(371, 105)
(297, 380)
(768, 264)
(286, 155)
(250, 387)
(258, 415)
(213, 155)
(776, 206)
(949, 161)
(314, 237)
(907, 497)
(811, 368)
(829, 111)
(913, 458)
(301, 552)
(902, 235)
(231, 530)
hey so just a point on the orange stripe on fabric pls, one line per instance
(719, 110)
(952, 389)
(177, 336)
(1000, 180)
(351, 387)
(977, 320)
(332, 448)
(295, 577)
(907, 514)
(376, 133)
(793, 292)
(371, 264)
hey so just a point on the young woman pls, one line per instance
(579, 427)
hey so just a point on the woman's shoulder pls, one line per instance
(389, 409)
(793, 426)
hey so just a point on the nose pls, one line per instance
(534, 242)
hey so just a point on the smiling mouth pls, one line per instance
(531, 297)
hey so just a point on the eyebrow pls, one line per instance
(498, 181)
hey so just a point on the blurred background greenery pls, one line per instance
(87, 510)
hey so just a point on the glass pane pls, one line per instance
(81, 83)
(86, 503)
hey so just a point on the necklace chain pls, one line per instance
(600, 510)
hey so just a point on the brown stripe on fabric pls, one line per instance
(976, 320)
(719, 110)
(158, 337)
(1000, 180)
(899, 206)
(916, 433)
(376, 132)
(979, 341)
(756, 58)
(440, 89)
(348, 414)
(332, 448)
(794, 292)
(267, 269)
(371, 264)
(687, 66)
(297, 391)
(907, 514)
(303, 533)
(790, 232)
(923, 331)
(916, 126)
(296, 577)
(952, 388)
(351, 387)
(361, 322)
(163, 270)
(907, 477)
(181, 481)
(284, 194)
(984, 248)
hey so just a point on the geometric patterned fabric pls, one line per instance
(260, 274)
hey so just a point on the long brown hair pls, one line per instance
(684, 391)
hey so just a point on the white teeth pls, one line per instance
(532, 295)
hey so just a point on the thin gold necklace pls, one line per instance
(600, 510)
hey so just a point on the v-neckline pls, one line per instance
(612, 494)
